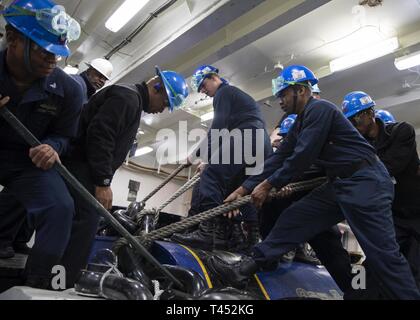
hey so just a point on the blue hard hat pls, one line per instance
(200, 74)
(385, 116)
(45, 23)
(287, 123)
(176, 87)
(291, 75)
(356, 101)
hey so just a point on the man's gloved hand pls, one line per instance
(104, 196)
(44, 156)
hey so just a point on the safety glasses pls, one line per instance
(198, 78)
(279, 84)
(279, 87)
(55, 20)
(356, 119)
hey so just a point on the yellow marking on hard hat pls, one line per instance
(267, 297)
(203, 268)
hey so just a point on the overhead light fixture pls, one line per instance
(207, 116)
(70, 69)
(366, 54)
(407, 62)
(124, 14)
(143, 151)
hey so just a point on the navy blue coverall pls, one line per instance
(14, 228)
(233, 109)
(359, 190)
(50, 109)
(327, 244)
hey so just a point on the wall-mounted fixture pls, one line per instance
(124, 14)
(364, 55)
(408, 61)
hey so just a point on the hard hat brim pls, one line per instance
(90, 66)
(168, 91)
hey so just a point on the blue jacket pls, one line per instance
(50, 109)
(234, 109)
(321, 135)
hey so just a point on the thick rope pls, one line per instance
(169, 178)
(188, 185)
(214, 212)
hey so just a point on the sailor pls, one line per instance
(108, 127)
(276, 136)
(385, 116)
(99, 71)
(395, 144)
(327, 245)
(316, 92)
(359, 189)
(233, 110)
(48, 102)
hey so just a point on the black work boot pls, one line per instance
(6, 252)
(209, 235)
(306, 256)
(236, 273)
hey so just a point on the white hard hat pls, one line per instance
(103, 66)
(315, 89)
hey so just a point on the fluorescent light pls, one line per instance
(408, 61)
(124, 14)
(143, 151)
(364, 55)
(207, 116)
(70, 70)
(140, 132)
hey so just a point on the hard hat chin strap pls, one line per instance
(27, 55)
